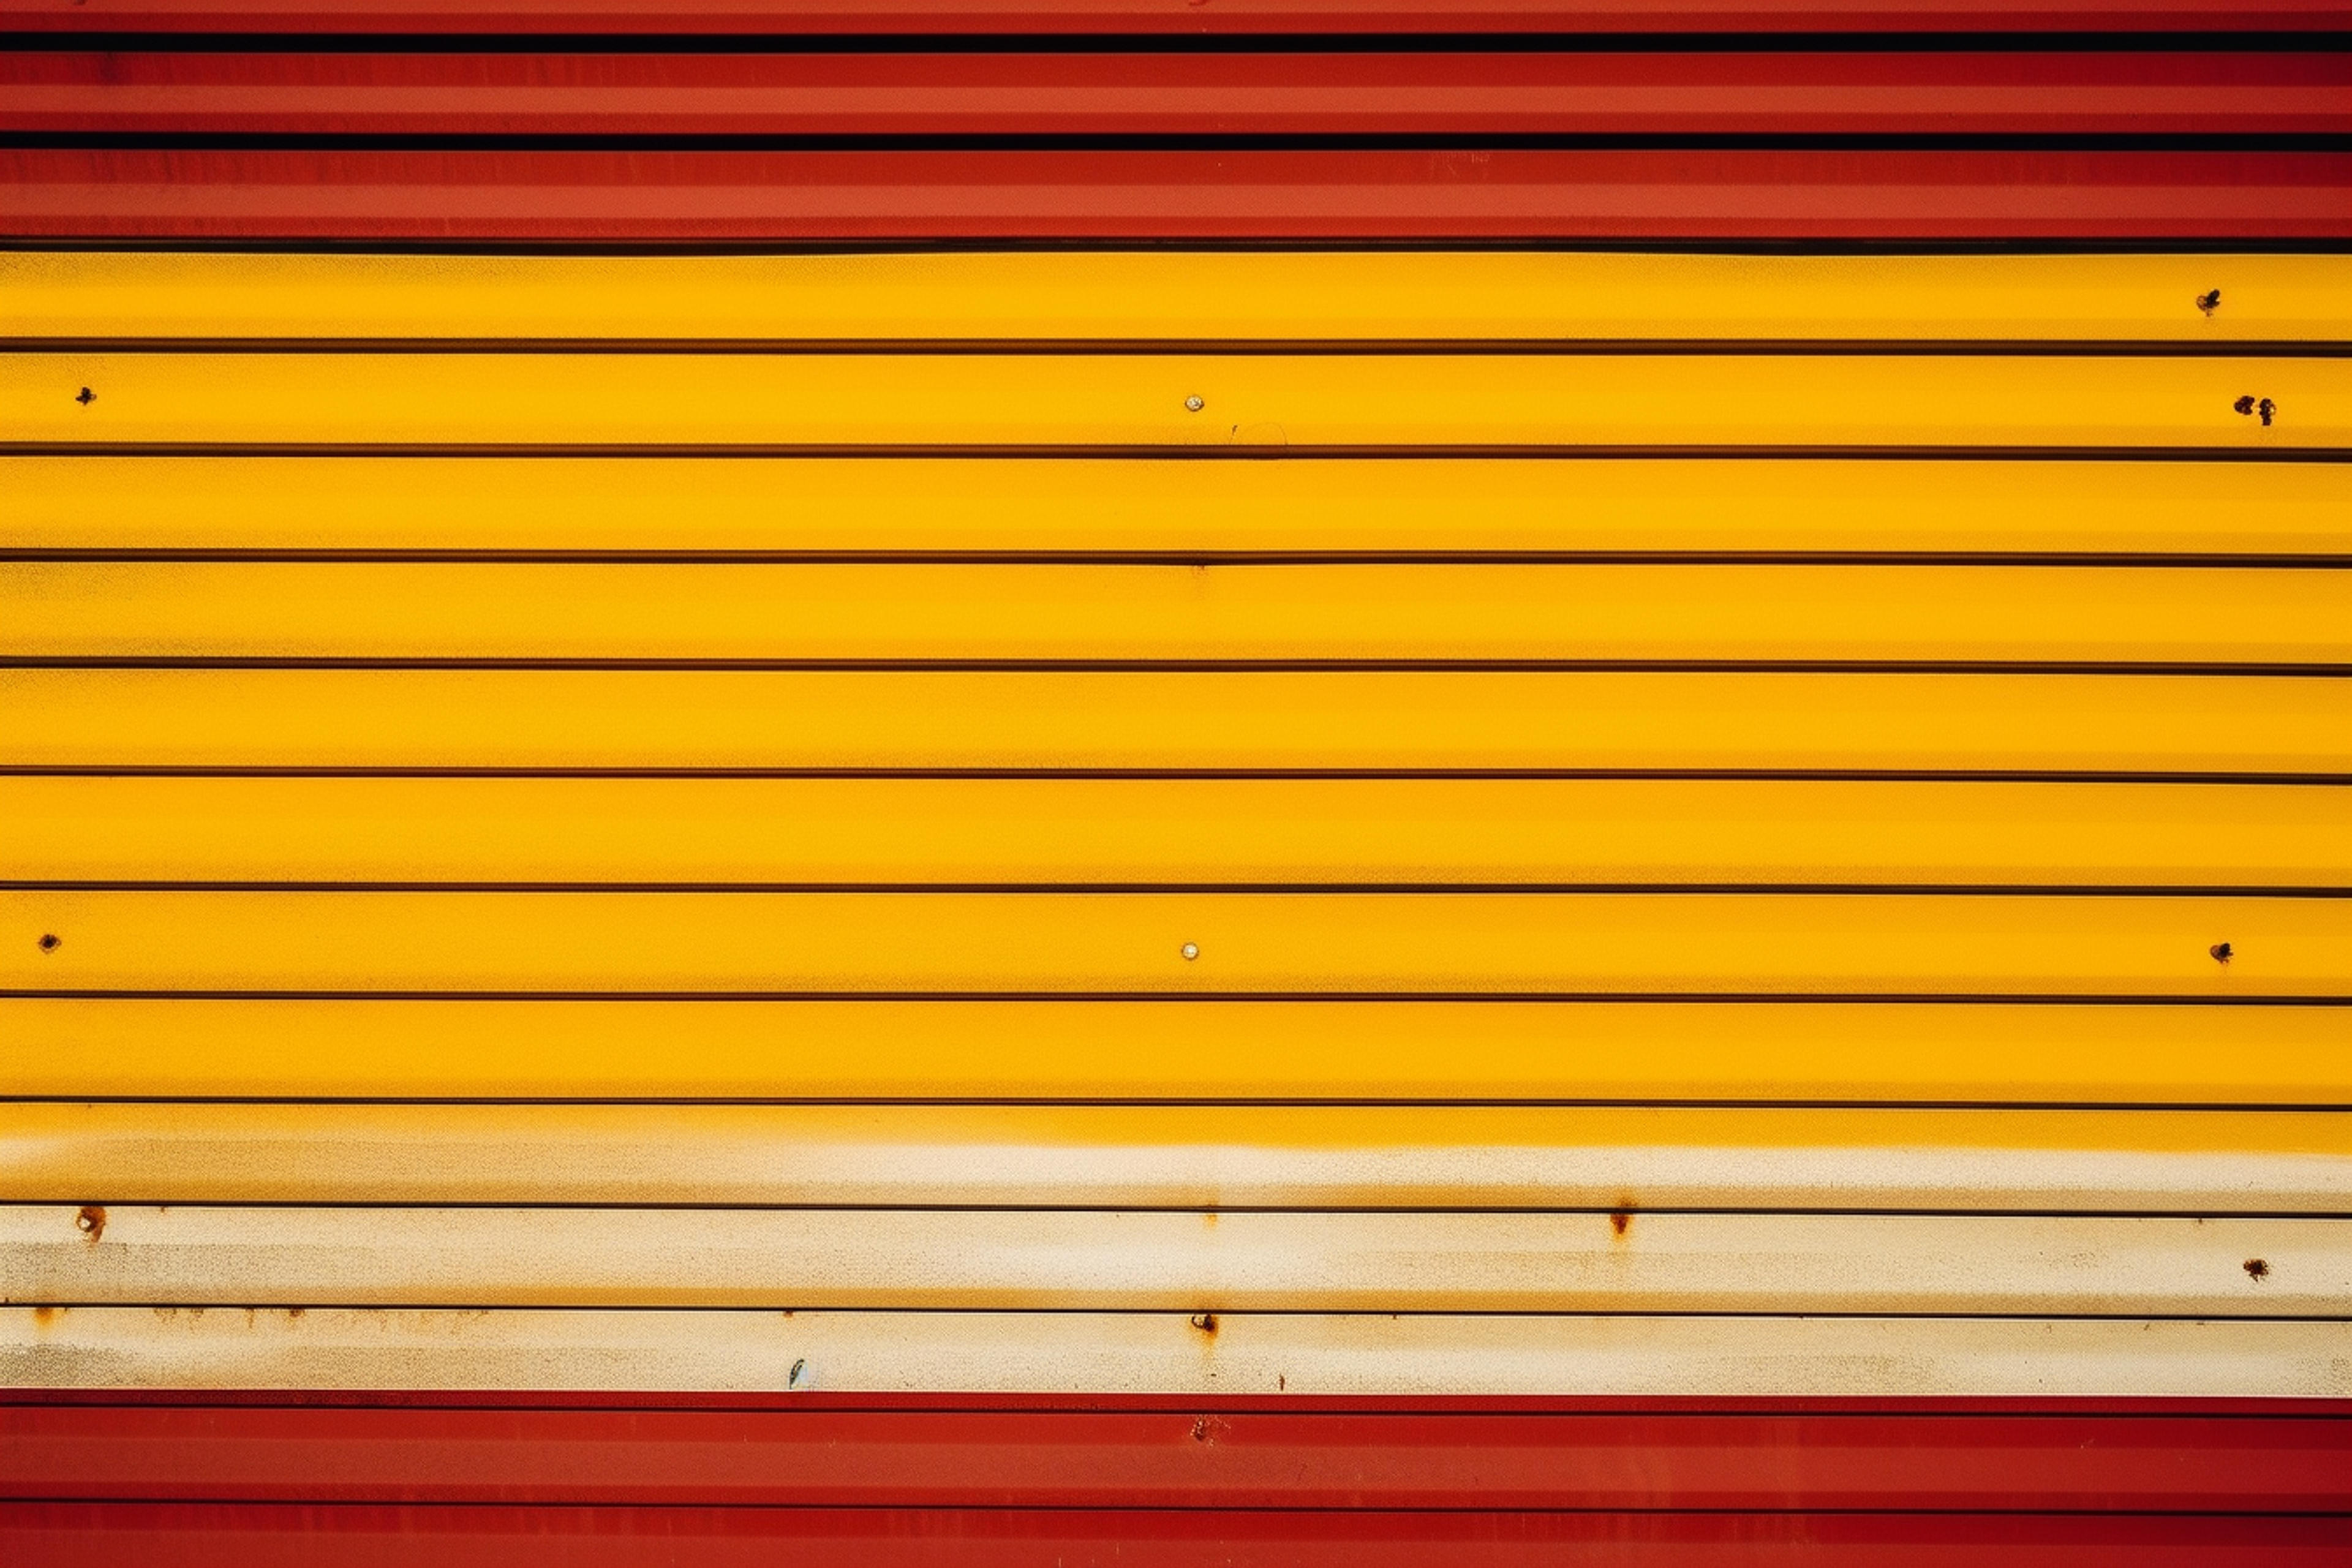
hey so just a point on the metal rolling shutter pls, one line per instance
(1172, 906)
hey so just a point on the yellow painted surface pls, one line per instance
(1319, 612)
(1777, 1052)
(1238, 830)
(1334, 943)
(1107, 505)
(1624, 1157)
(1483, 294)
(1257, 402)
(1183, 720)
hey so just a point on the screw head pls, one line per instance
(1191, 949)
(84, 1221)
(1196, 402)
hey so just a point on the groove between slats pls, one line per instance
(1624, 1159)
(1645, 1262)
(1097, 506)
(1140, 831)
(1793, 1051)
(1567, 298)
(1263, 401)
(1324, 614)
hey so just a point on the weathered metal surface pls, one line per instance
(1277, 1357)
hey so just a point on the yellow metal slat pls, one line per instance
(1177, 943)
(1317, 721)
(1044, 830)
(1250, 402)
(1785, 1051)
(1626, 1158)
(996, 1260)
(1487, 294)
(1088, 505)
(380, 610)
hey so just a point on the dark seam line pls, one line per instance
(1268, 889)
(1246, 243)
(1222, 452)
(1744, 998)
(1197, 142)
(1838, 775)
(100, 38)
(1187, 1103)
(1150, 559)
(1266, 347)
(394, 664)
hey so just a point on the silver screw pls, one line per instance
(1196, 402)
(1191, 949)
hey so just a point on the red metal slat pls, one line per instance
(785, 17)
(1737, 93)
(187, 1535)
(588, 197)
(1015, 1458)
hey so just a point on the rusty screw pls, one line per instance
(85, 1221)
(49, 943)
(2222, 951)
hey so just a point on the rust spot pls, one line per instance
(1209, 1428)
(91, 1220)
(1280, 1383)
(1620, 1219)
(2210, 301)
(85, 397)
(1205, 1321)
(2249, 404)
(294, 1314)
(2222, 951)
(45, 1315)
(2257, 1268)
(2266, 409)
(49, 940)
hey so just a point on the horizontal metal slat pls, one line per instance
(1317, 721)
(2168, 197)
(263, 1535)
(822, 17)
(1185, 1156)
(2020, 1459)
(954, 95)
(994, 1260)
(1263, 1354)
(197, 611)
(1175, 944)
(1792, 1050)
(1090, 401)
(1559, 298)
(1103, 507)
(1041, 831)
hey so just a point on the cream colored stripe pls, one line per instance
(1176, 295)
(1467, 1157)
(1346, 1261)
(1165, 1353)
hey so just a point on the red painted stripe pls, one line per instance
(587, 197)
(773, 18)
(1177, 1459)
(1176, 94)
(39, 1535)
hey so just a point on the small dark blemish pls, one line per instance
(1280, 1383)
(2266, 409)
(86, 397)
(2210, 301)
(2244, 405)
(91, 1220)
(294, 1314)
(2257, 1268)
(1205, 1321)
(794, 1376)
(49, 940)
(2222, 951)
